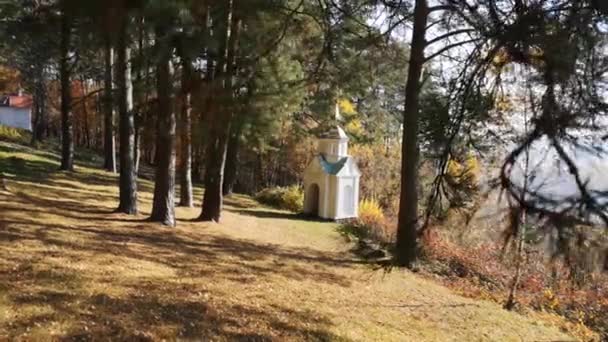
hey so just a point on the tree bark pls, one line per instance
(214, 176)
(35, 119)
(521, 231)
(141, 99)
(232, 160)
(67, 129)
(128, 176)
(138, 138)
(163, 207)
(99, 119)
(186, 196)
(109, 137)
(407, 230)
(40, 125)
(220, 124)
(521, 243)
(85, 112)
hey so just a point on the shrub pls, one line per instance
(486, 271)
(370, 212)
(270, 196)
(13, 135)
(371, 224)
(293, 199)
(381, 233)
(354, 230)
(287, 198)
(464, 175)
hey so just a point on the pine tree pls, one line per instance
(109, 136)
(163, 207)
(128, 176)
(67, 129)
(185, 133)
(222, 118)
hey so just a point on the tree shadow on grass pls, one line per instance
(268, 214)
(73, 207)
(163, 240)
(65, 208)
(52, 272)
(148, 312)
(279, 215)
(239, 201)
(156, 308)
(171, 249)
(35, 171)
(50, 151)
(138, 317)
(47, 165)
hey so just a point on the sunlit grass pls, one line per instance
(71, 269)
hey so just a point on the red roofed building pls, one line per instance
(16, 111)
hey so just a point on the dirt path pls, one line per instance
(69, 269)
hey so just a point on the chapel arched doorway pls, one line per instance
(312, 199)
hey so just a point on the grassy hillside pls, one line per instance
(71, 269)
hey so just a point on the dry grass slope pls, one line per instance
(72, 270)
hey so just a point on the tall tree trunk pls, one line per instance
(220, 124)
(203, 108)
(138, 137)
(519, 261)
(128, 176)
(195, 162)
(108, 108)
(163, 207)
(521, 228)
(141, 98)
(67, 129)
(35, 119)
(214, 174)
(43, 129)
(85, 112)
(40, 125)
(232, 159)
(259, 174)
(407, 231)
(99, 118)
(186, 196)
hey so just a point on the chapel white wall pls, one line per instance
(342, 202)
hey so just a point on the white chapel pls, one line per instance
(331, 181)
